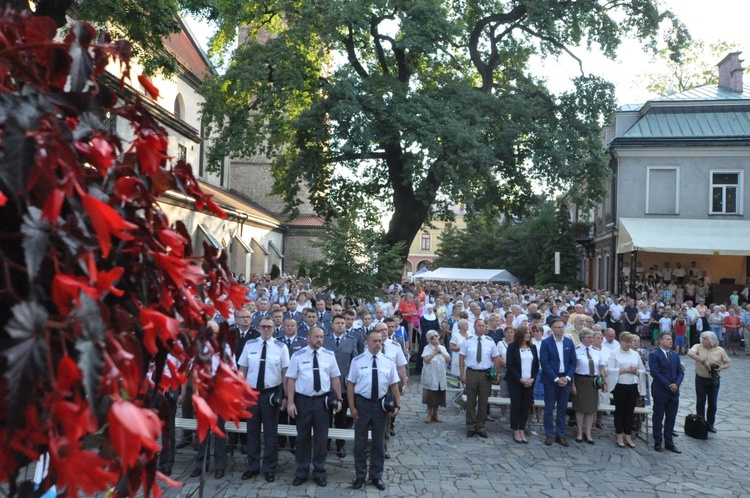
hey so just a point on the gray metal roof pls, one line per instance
(707, 92)
(692, 123)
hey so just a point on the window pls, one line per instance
(663, 190)
(726, 194)
(181, 152)
(179, 107)
(425, 241)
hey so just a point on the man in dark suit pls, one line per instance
(558, 360)
(666, 370)
(242, 332)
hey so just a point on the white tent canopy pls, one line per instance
(711, 237)
(467, 274)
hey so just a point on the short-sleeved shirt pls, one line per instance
(301, 369)
(360, 374)
(392, 350)
(582, 363)
(716, 355)
(277, 359)
(469, 350)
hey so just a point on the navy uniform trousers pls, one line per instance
(371, 417)
(312, 413)
(268, 416)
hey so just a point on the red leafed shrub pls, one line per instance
(96, 285)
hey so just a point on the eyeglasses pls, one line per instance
(265, 326)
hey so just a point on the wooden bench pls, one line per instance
(283, 429)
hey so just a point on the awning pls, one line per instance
(677, 236)
(468, 274)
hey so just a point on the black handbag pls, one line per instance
(696, 426)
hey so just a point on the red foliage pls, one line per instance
(97, 281)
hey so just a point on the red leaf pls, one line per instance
(175, 379)
(53, 205)
(99, 153)
(150, 88)
(206, 417)
(222, 307)
(174, 241)
(231, 394)
(68, 374)
(151, 150)
(67, 288)
(105, 279)
(238, 295)
(79, 469)
(155, 323)
(3, 199)
(107, 222)
(131, 189)
(75, 420)
(133, 430)
(179, 270)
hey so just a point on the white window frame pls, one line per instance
(676, 190)
(740, 188)
(426, 237)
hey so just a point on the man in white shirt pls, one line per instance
(615, 315)
(609, 340)
(478, 354)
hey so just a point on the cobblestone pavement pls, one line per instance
(439, 460)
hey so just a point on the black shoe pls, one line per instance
(393, 433)
(219, 474)
(321, 481)
(270, 477)
(249, 474)
(673, 449)
(470, 434)
(167, 472)
(298, 481)
(358, 483)
(482, 434)
(341, 452)
(378, 484)
(711, 429)
(387, 455)
(657, 448)
(195, 473)
(674, 434)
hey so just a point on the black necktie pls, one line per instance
(375, 391)
(316, 373)
(288, 342)
(591, 362)
(479, 350)
(261, 384)
(337, 341)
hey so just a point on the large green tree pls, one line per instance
(407, 103)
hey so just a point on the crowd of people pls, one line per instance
(320, 360)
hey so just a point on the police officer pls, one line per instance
(477, 356)
(264, 362)
(293, 343)
(345, 349)
(393, 351)
(262, 306)
(371, 376)
(312, 373)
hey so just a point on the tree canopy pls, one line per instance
(414, 104)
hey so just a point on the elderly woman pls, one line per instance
(716, 322)
(624, 374)
(521, 372)
(732, 336)
(457, 339)
(710, 360)
(435, 358)
(589, 364)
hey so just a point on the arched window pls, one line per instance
(179, 107)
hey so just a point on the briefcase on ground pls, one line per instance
(696, 426)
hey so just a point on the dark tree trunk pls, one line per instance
(55, 9)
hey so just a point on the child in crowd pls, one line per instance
(680, 329)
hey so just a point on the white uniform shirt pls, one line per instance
(469, 350)
(582, 365)
(277, 358)
(360, 374)
(301, 369)
(392, 349)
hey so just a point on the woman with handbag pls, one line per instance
(710, 360)
(589, 367)
(624, 370)
(732, 336)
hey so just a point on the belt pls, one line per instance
(477, 370)
(270, 389)
(367, 399)
(581, 375)
(311, 397)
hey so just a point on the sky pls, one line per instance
(709, 21)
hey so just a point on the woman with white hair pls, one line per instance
(710, 360)
(433, 381)
(457, 339)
